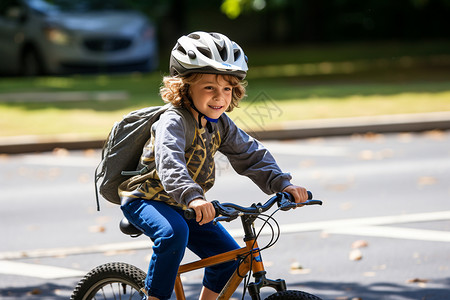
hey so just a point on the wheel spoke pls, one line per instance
(110, 282)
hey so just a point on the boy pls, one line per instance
(207, 72)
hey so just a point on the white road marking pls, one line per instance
(359, 226)
(371, 227)
(58, 252)
(371, 221)
(61, 161)
(395, 232)
(39, 271)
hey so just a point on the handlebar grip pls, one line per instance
(189, 214)
(313, 202)
(291, 198)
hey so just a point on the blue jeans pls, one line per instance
(171, 234)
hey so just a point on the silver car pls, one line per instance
(72, 36)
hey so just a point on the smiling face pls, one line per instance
(211, 95)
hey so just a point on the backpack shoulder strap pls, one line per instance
(189, 125)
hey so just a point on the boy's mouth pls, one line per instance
(215, 107)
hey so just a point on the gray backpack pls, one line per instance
(123, 148)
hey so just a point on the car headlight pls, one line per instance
(56, 35)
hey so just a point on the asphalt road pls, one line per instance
(387, 195)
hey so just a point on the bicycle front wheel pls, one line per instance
(111, 281)
(292, 295)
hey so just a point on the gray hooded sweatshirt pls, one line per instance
(181, 170)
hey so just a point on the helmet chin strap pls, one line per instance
(202, 115)
(208, 119)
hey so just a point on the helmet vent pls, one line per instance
(237, 54)
(181, 49)
(215, 35)
(194, 36)
(222, 52)
(205, 51)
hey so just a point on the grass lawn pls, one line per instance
(291, 91)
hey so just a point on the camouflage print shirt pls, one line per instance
(180, 173)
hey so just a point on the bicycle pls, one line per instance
(124, 281)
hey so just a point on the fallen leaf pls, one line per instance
(97, 228)
(426, 180)
(355, 255)
(375, 155)
(89, 152)
(360, 244)
(324, 235)
(417, 280)
(300, 271)
(369, 274)
(35, 291)
(435, 134)
(296, 266)
(366, 155)
(60, 152)
(373, 136)
(380, 267)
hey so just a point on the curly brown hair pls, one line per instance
(175, 89)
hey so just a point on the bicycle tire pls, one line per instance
(292, 295)
(111, 281)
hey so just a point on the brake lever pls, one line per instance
(222, 218)
(224, 211)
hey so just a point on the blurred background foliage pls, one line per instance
(371, 28)
(301, 21)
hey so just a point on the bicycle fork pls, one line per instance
(252, 261)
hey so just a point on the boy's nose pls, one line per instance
(218, 95)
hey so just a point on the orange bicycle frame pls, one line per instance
(250, 260)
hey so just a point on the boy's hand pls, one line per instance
(300, 193)
(204, 210)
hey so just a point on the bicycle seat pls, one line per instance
(128, 228)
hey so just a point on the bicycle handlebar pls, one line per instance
(230, 211)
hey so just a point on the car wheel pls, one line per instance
(31, 64)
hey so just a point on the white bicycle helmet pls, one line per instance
(203, 52)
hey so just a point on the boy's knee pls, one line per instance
(175, 239)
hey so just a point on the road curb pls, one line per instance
(283, 131)
(358, 125)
